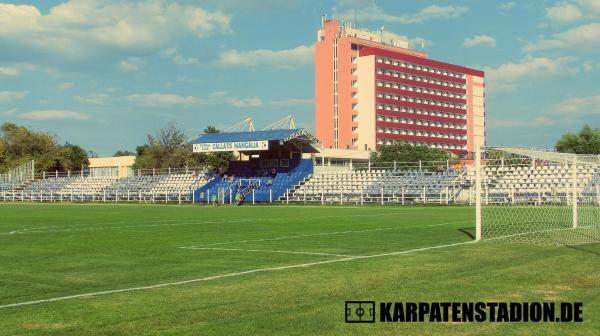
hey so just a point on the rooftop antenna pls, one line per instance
(422, 45)
(355, 20)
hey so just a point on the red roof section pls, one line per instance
(420, 60)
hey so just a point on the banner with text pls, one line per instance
(231, 146)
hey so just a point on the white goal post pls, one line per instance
(536, 196)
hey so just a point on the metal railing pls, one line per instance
(87, 172)
(19, 175)
(445, 165)
(104, 196)
(380, 195)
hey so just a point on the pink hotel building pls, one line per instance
(372, 90)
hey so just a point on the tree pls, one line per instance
(211, 129)
(123, 153)
(217, 161)
(169, 148)
(70, 157)
(19, 144)
(587, 141)
(405, 153)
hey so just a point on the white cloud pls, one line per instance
(369, 11)
(592, 6)
(177, 58)
(80, 29)
(131, 64)
(530, 67)
(414, 43)
(66, 86)
(287, 58)
(10, 112)
(11, 96)
(509, 123)
(417, 42)
(583, 105)
(180, 60)
(480, 40)
(508, 5)
(569, 11)
(93, 99)
(214, 98)
(162, 100)
(589, 33)
(292, 102)
(590, 66)
(563, 12)
(584, 37)
(295, 57)
(53, 115)
(220, 97)
(217, 94)
(245, 102)
(9, 72)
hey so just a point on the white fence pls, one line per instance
(106, 196)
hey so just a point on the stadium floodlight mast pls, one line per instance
(536, 196)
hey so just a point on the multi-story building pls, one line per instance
(371, 90)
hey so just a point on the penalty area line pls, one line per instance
(320, 234)
(224, 276)
(266, 251)
(69, 228)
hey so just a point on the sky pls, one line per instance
(104, 74)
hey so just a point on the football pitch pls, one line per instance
(100, 269)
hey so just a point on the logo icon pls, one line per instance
(360, 311)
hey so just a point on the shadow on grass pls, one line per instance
(583, 249)
(468, 231)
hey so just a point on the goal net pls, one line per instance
(537, 197)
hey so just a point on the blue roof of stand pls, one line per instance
(272, 135)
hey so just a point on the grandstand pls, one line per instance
(279, 160)
(280, 165)
(273, 177)
(379, 186)
(159, 186)
(254, 186)
(273, 162)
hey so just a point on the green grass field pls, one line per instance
(268, 270)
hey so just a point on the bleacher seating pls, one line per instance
(533, 183)
(185, 183)
(518, 184)
(89, 185)
(54, 184)
(85, 188)
(375, 185)
(254, 187)
(137, 183)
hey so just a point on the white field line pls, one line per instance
(189, 222)
(319, 234)
(267, 251)
(72, 226)
(542, 231)
(222, 276)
